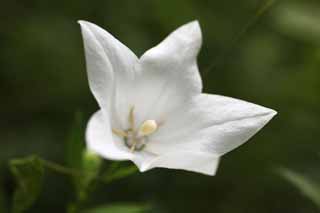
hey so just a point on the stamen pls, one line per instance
(135, 139)
(131, 118)
(133, 146)
(120, 133)
(147, 128)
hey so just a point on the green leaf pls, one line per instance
(120, 208)
(115, 173)
(308, 187)
(28, 173)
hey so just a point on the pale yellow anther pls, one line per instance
(148, 127)
(120, 133)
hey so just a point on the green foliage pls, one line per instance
(28, 173)
(91, 164)
(84, 161)
(307, 186)
(75, 143)
(120, 208)
(88, 165)
(300, 20)
(76, 157)
(115, 172)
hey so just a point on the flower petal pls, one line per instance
(99, 138)
(212, 124)
(205, 163)
(122, 61)
(120, 56)
(168, 74)
(99, 68)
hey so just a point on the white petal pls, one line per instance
(99, 68)
(120, 56)
(201, 162)
(210, 123)
(99, 138)
(122, 61)
(167, 74)
(142, 158)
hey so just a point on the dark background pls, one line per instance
(275, 63)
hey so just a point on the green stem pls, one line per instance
(77, 173)
(61, 169)
(260, 12)
(73, 172)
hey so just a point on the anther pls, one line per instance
(147, 128)
(120, 133)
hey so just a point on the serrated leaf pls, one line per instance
(120, 208)
(308, 187)
(28, 173)
(118, 173)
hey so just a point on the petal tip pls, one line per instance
(193, 29)
(194, 25)
(84, 23)
(195, 22)
(143, 168)
(272, 113)
(88, 24)
(211, 173)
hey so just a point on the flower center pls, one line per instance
(135, 138)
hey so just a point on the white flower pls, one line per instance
(152, 109)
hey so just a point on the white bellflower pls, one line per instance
(152, 109)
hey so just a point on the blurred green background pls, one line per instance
(275, 63)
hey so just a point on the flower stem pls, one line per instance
(61, 169)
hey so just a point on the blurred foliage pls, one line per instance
(77, 157)
(300, 20)
(275, 62)
(115, 172)
(28, 173)
(308, 187)
(120, 208)
(91, 164)
(84, 169)
(75, 144)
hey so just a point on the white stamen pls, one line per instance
(135, 139)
